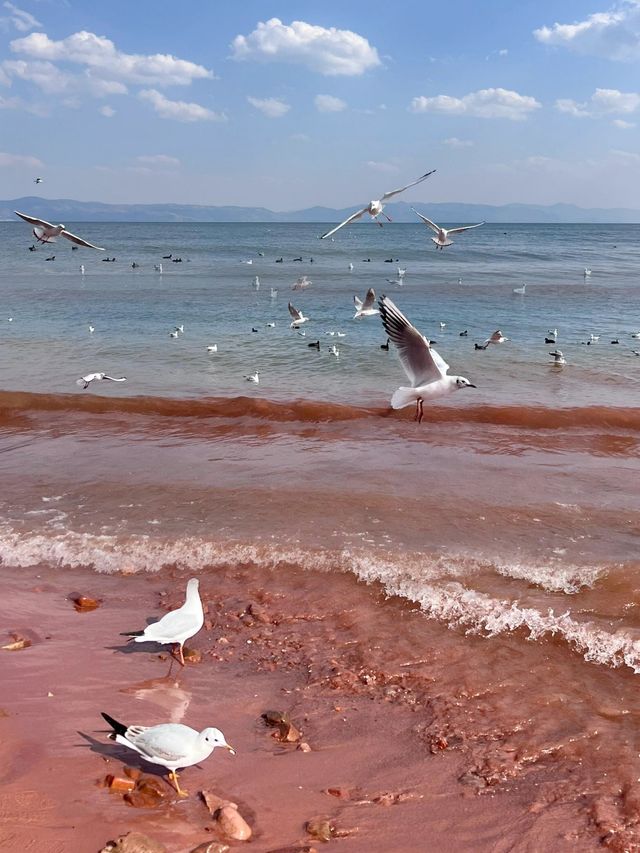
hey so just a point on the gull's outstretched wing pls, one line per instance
(426, 221)
(358, 303)
(421, 364)
(79, 240)
(351, 218)
(34, 220)
(402, 189)
(113, 379)
(462, 228)
(369, 299)
(297, 315)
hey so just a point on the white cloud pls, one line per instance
(101, 56)
(107, 111)
(329, 104)
(486, 103)
(178, 110)
(330, 51)
(18, 104)
(625, 125)
(630, 157)
(271, 107)
(162, 161)
(454, 142)
(21, 20)
(381, 166)
(614, 34)
(53, 81)
(602, 102)
(19, 160)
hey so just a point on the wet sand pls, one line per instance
(395, 722)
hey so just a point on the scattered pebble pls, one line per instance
(84, 602)
(232, 824)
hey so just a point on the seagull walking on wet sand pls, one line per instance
(366, 308)
(85, 381)
(426, 370)
(171, 745)
(298, 317)
(375, 207)
(177, 626)
(442, 234)
(45, 232)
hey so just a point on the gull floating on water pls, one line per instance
(426, 370)
(85, 381)
(375, 207)
(520, 290)
(45, 232)
(171, 745)
(442, 234)
(91, 329)
(212, 348)
(256, 282)
(298, 317)
(334, 350)
(558, 357)
(366, 308)
(587, 272)
(302, 283)
(174, 334)
(177, 626)
(253, 377)
(273, 292)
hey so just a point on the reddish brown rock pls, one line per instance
(149, 792)
(213, 802)
(192, 655)
(119, 784)
(85, 602)
(232, 824)
(211, 847)
(134, 842)
(275, 718)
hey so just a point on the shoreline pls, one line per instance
(324, 649)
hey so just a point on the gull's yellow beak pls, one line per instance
(230, 748)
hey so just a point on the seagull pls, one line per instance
(91, 329)
(401, 272)
(365, 309)
(157, 267)
(180, 329)
(256, 282)
(212, 348)
(81, 269)
(350, 267)
(385, 346)
(553, 333)
(496, 338)
(246, 262)
(302, 283)
(442, 234)
(594, 338)
(375, 207)
(442, 326)
(273, 292)
(398, 281)
(172, 745)
(635, 335)
(426, 370)
(174, 334)
(254, 377)
(520, 290)
(85, 381)
(45, 232)
(587, 272)
(271, 325)
(334, 350)
(558, 358)
(177, 626)
(298, 317)
(37, 180)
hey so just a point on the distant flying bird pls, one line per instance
(442, 234)
(37, 180)
(298, 317)
(426, 370)
(496, 338)
(302, 283)
(375, 207)
(365, 309)
(45, 232)
(85, 381)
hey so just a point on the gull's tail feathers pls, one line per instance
(118, 728)
(132, 634)
(403, 397)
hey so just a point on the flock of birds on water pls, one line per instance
(425, 368)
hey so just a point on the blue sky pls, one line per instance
(290, 105)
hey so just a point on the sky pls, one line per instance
(291, 105)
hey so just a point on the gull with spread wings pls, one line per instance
(442, 234)
(376, 206)
(45, 232)
(366, 308)
(426, 370)
(298, 317)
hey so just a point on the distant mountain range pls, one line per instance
(67, 210)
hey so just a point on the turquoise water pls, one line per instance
(47, 346)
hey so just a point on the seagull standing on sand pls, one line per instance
(171, 745)
(85, 381)
(375, 207)
(365, 309)
(177, 626)
(426, 370)
(45, 232)
(442, 234)
(298, 317)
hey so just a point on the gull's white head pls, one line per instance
(214, 737)
(461, 382)
(192, 585)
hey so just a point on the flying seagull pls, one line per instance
(177, 626)
(426, 370)
(85, 381)
(375, 207)
(365, 309)
(298, 317)
(37, 180)
(45, 232)
(171, 745)
(442, 234)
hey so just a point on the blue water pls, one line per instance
(47, 346)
